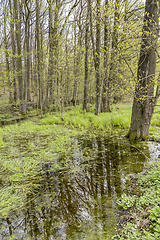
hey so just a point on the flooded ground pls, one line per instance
(78, 201)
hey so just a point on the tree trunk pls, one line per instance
(13, 52)
(85, 101)
(49, 86)
(66, 100)
(51, 48)
(42, 60)
(38, 55)
(19, 58)
(144, 100)
(97, 57)
(27, 32)
(74, 99)
(77, 53)
(7, 57)
(113, 71)
(56, 52)
(96, 51)
(105, 94)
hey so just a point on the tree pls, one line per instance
(38, 54)
(105, 93)
(37, 70)
(97, 57)
(17, 14)
(144, 99)
(13, 51)
(51, 51)
(85, 100)
(113, 71)
(7, 56)
(27, 50)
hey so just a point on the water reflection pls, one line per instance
(78, 202)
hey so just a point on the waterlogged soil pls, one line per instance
(76, 200)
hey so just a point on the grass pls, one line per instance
(24, 148)
(120, 117)
(76, 118)
(155, 123)
(143, 204)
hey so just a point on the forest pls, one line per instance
(79, 112)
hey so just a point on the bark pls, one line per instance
(77, 47)
(27, 55)
(56, 53)
(19, 58)
(91, 30)
(105, 93)
(42, 60)
(51, 50)
(77, 54)
(85, 101)
(96, 50)
(28, 64)
(7, 58)
(15, 95)
(62, 95)
(75, 67)
(113, 62)
(27, 46)
(144, 100)
(66, 100)
(35, 68)
(97, 57)
(38, 55)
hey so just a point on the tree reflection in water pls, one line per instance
(77, 203)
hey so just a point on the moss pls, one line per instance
(132, 135)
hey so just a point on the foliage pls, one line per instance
(25, 148)
(75, 117)
(144, 222)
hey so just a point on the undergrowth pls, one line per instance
(25, 146)
(24, 149)
(143, 204)
(77, 118)
(120, 117)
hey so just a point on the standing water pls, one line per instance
(78, 202)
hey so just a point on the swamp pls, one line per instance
(59, 180)
(79, 120)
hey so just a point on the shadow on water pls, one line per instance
(78, 202)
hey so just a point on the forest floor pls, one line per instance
(120, 117)
(142, 202)
(143, 198)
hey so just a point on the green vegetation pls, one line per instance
(62, 57)
(143, 201)
(27, 145)
(24, 148)
(120, 117)
(77, 118)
